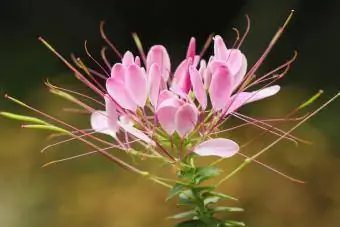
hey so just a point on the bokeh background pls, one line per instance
(94, 192)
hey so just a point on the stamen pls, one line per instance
(103, 54)
(83, 66)
(103, 35)
(206, 45)
(91, 71)
(269, 127)
(274, 170)
(249, 160)
(270, 46)
(93, 59)
(237, 37)
(78, 75)
(264, 128)
(139, 47)
(245, 33)
(263, 120)
(47, 83)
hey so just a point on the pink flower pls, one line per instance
(176, 115)
(128, 84)
(182, 108)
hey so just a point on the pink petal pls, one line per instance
(221, 147)
(118, 72)
(220, 88)
(220, 49)
(198, 87)
(137, 61)
(216, 64)
(264, 93)
(181, 76)
(136, 133)
(136, 84)
(117, 91)
(159, 55)
(191, 48)
(239, 76)
(186, 119)
(166, 114)
(164, 95)
(155, 77)
(206, 73)
(234, 60)
(112, 115)
(128, 58)
(99, 123)
(243, 98)
(203, 68)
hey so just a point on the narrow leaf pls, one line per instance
(227, 209)
(175, 190)
(234, 223)
(22, 118)
(187, 214)
(46, 127)
(211, 199)
(224, 196)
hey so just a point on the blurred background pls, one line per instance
(94, 192)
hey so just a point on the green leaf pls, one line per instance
(175, 190)
(22, 118)
(211, 199)
(186, 197)
(64, 95)
(187, 173)
(227, 209)
(187, 214)
(46, 127)
(192, 223)
(223, 196)
(205, 173)
(234, 223)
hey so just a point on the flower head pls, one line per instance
(151, 95)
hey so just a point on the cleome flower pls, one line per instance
(173, 114)
(139, 98)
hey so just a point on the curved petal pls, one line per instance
(136, 84)
(221, 147)
(112, 115)
(220, 88)
(239, 76)
(181, 78)
(117, 91)
(234, 60)
(186, 119)
(99, 123)
(136, 133)
(243, 98)
(220, 49)
(118, 72)
(264, 93)
(191, 48)
(137, 61)
(198, 87)
(166, 114)
(159, 55)
(154, 77)
(128, 58)
(164, 95)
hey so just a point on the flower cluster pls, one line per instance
(139, 98)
